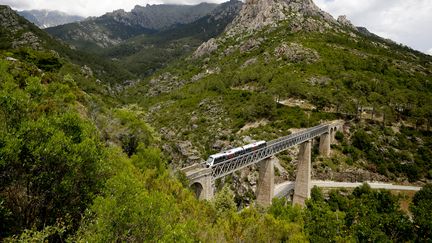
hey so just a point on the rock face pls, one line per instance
(344, 21)
(164, 15)
(295, 53)
(47, 18)
(206, 48)
(112, 28)
(257, 14)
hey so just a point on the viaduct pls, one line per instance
(202, 179)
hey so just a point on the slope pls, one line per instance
(277, 52)
(18, 33)
(144, 54)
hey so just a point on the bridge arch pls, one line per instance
(197, 188)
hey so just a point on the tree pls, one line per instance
(421, 208)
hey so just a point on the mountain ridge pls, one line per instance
(112, 28)
(44, 18)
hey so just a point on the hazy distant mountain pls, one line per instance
(47, 18)
(115, 27)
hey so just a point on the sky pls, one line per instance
(406, 22)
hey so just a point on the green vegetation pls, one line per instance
(363, 216)
(336, 76)
(79, 164)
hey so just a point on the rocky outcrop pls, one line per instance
(257, 14)
(295, 53)
(344, 21)
(226, 11)
(251, 44)
(206, 48)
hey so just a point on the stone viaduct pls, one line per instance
(202, 179)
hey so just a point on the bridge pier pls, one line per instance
(265, 188)
(324, 146)
(303, 177)
(201, 182)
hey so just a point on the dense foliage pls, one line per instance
(77, 165)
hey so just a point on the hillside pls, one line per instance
(18, 33)
(115, 27)
(144, 54)
(142, 50)
(248, 84)
(47, 18)
(79, 163)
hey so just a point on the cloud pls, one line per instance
(429, 51)
(407, 22)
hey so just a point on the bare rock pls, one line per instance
(251, 44)
(319, 80)
(249, 62)
(220, 145)
(87, 71)
(344, 21)
(295, 53)
(257, 14)
(185, 148)
(206, 48)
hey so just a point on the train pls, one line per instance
(235, 152)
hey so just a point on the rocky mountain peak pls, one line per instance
(257, 14)
(47, 18)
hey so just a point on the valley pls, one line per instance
(99, 119)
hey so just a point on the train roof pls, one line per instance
(217, 155)
(234, 150)
(254, 144)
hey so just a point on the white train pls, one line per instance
(232, 153)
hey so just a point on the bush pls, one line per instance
(339, 136)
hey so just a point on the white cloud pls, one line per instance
(407, 22)
(429, 51)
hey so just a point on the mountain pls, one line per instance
(18, 33)
(142, 51)
(286, 64)
(144, 54)
(115, 27)
(79, 163)
(48, 18)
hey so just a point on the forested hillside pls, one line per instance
(306, 69)
(82, 162)
(146, 40)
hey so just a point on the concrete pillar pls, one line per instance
(333, 135)
(324, 146)
(265, 187)
(207, 192)
(303, 178)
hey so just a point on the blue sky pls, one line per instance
(406, 22)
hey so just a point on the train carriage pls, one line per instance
(235, 152)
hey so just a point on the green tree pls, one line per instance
(421, 208)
